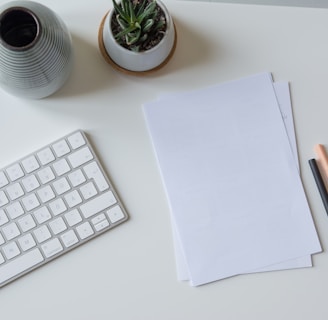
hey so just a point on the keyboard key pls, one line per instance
(115, 214)
(58, 225)
(76, 178)
(98, 204)
(11, 250)
(2, 260)
(76, 140)
(26, 242)
(100, 222)
(3, 217)
(15, 172)
(73, 217)
(42, 215)
(46, 156)
(19, 265)
(93, 172)
(57, 207)
(88, 190)
(42, 234)
(101, 225)
(61, 186)
(61, 148)
(61, 167)
(52, 247)
(3, 199)
(15, 210)
(30, 164)
(2, 240)
(46, 194)
(84, 230)
(30, 183)
(11, 231)
(46, 175)
(73, 199)
(15, 191)
(80, 157)
(3, 179)
(30, 202)
(69, 238)
(26, 223)
(98, 218)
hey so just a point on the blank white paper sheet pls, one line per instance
(231, 177)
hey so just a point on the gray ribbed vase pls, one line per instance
(36, 54)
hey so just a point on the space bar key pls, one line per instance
(19, 265)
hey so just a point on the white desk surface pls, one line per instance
(129, 272)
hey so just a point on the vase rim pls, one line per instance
(33, 19)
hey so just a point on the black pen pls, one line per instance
(320, 183)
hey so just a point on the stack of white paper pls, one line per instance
(227, 156)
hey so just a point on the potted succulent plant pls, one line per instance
(137, 36)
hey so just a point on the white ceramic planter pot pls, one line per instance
(130, 61)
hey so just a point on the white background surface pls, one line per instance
(297, 3)
(129, 272)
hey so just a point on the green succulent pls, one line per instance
(137, 21)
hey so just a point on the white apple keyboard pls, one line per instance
(52, 201)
